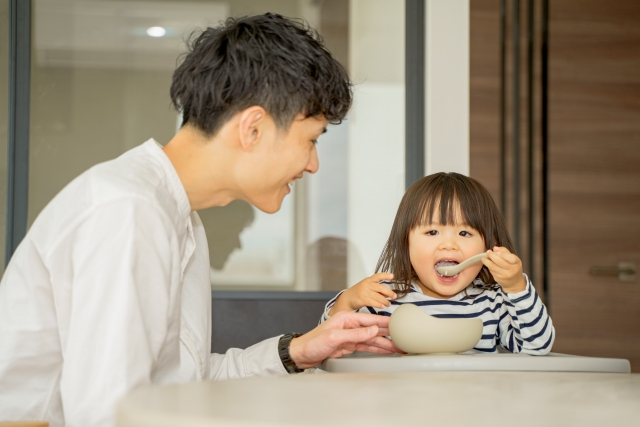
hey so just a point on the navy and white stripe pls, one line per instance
(518, 322)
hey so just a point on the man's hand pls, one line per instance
(367, 292)
(343, 334)
(506, 268)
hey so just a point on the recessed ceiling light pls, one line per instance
(156, 31)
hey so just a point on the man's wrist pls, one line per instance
(284, 351)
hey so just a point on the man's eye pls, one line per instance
(315, 141)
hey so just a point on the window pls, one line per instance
(101, 73)
(4, 118)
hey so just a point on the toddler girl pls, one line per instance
(443, 219)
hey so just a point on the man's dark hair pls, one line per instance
(266, 60)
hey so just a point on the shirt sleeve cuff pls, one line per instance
(329, 306)
(262, 359)
(529, 292)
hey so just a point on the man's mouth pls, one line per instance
(445, 263)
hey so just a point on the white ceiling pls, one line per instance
(112, 34)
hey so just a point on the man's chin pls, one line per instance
(269, 207)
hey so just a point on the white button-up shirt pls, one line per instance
(110, 290)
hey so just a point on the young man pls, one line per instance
(110, 288)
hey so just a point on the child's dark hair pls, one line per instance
(266, 60)
(448, 192)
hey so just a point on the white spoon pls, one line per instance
(452, 270)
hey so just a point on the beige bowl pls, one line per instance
(416, 332)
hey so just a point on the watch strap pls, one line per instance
(285, 356)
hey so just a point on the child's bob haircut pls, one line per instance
(446, 197)
(268, 60)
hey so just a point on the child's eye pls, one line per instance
(465, 233)
(431, 233)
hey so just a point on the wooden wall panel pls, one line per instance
(594, 166)
(485, 94)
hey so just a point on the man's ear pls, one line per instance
(252, 122)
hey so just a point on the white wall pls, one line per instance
(447, 86)
(376, 129)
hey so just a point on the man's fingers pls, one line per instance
(355, 320)
(383, 343)
(354, 336)
(378, 345)
(373, 349)
(383, 332)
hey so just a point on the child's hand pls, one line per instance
(506, 268)
(367, 292)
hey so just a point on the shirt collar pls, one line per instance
(174, 185)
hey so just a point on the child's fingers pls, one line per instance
(498, 260)
(506, 254)
(496, 270)
(382, 289)
(379, 277)
(376, 300)
(379, 297)
(490, 265)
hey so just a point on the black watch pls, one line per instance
(283, 352)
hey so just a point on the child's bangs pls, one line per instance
(449, 202)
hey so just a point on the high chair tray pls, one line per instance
(553, 362)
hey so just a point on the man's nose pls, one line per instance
(314, 163)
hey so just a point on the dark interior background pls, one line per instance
(240, 319)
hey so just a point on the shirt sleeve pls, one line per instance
(327, 308)
(124, 257)
(260, 359)
(525, 325)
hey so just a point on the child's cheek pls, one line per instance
(474, 271)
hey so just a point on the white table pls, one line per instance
(392, 399)
(553, 362)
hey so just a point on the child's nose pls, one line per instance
(448, 243)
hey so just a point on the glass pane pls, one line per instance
(100, 86)
(4, 116)
(354, 196)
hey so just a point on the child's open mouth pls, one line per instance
(445, 263)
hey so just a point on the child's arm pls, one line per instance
(369, 292)
(525, 325)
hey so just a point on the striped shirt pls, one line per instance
(517, 322)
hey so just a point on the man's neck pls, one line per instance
(204, 167)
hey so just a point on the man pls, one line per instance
(110, 288)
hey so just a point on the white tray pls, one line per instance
(553, 362)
